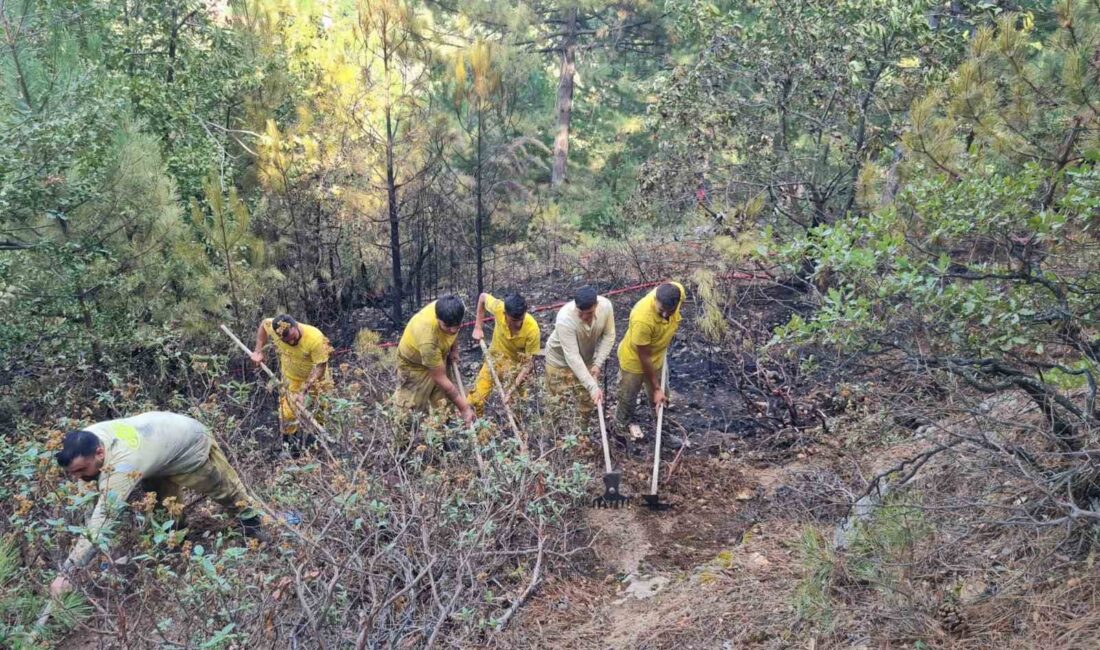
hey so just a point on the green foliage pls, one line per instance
(22, 599)
(982, 261)
(885, 545)
(236, 263)
(713, 321)
(879, 555)
(813, 596)
(785, 105)
(102, 269)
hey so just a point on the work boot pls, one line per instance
(253, 528)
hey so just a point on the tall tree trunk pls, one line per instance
(173, 34)
(565, 100)
(89, 326)
(480, 218)
(395, 221)
(420, 272)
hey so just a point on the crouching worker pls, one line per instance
(426, 349)
(165, 450)
(515, 344)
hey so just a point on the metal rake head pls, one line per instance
(612, 497)
(614, 501)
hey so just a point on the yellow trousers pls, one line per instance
(416, 390)
(507, 371)
(315, 403)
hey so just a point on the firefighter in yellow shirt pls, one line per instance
(653, 322)
(303, 362)
(426, 348)
(515, 344)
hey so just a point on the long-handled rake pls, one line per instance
(612, 496)
(653, 500)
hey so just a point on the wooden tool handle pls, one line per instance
(299, 410)
(603, 436)
(507, 409)
(660, 422)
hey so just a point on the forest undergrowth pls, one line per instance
(456, 539)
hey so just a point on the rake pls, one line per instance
(612, 496)
(653, 500)
(299, 409)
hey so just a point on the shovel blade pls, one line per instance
(653, 502)
(611, 482)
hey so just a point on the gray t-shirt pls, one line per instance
(147, 445)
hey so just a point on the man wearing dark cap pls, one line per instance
(584, 333)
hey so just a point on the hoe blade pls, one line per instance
(653, 502)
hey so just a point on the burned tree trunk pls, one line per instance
(565, 100)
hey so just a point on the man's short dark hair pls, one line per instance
(668, 295)
(283, 319)
(585, 297)
(515, 305)
(450, 310)
(77, 444)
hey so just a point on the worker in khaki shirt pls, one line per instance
(169, 452)
(303, 363)
(584, 333)
(426, 348)
(653, 322)
(515, 344)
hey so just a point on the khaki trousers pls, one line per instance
(630, 385)
(215, 478)
(569, 400)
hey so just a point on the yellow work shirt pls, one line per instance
(424, 343)
(297, 361)
(647, 328)
(525, 343)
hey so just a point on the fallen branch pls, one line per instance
(536, 576)
(877, 490)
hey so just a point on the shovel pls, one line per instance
(612, 498)
(653, 500)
